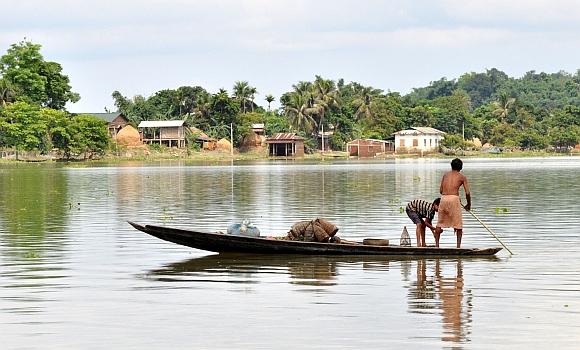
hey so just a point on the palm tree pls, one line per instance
(302, 87)
(363, 102)
(253, 92)
(503, 106)
(326, 94)
(296, 108)
(269, 98)
(202, 110)
(244, 94)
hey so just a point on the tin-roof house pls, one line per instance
(285, 145)
(165, 132)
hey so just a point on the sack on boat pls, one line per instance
(244, 229)
(317, 230)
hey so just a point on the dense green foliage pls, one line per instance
(26, 76)
(28, 127)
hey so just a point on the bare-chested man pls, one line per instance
(450, 206)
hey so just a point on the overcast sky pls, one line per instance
(140, 47)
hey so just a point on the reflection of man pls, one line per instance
(433, 293)
(450, 290)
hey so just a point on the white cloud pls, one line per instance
(561, 12)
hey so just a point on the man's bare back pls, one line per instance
(451, 182)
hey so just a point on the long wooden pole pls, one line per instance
(488, 229)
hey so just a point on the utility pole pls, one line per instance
(322, 142)
(232, 139)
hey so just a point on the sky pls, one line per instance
(140, 47)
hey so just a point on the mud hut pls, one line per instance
(252, 141)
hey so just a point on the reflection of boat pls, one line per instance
(304, 267)
(221, 243)
(257, 262)
(241, 268)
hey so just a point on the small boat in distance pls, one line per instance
(223, 243)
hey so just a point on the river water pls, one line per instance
(75, 275)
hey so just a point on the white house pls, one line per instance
(418, 140)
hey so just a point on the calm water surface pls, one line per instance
(75, 275)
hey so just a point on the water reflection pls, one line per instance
(306, 270)
(34, 211)
(439, 288)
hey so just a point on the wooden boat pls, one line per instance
(224, 243)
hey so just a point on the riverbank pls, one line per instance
(143, 154)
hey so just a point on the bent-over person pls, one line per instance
(417, 210)
(450, 214)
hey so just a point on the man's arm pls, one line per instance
(467, 194)
(428, 223)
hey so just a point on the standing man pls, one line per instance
(416, 211)
(450, 207)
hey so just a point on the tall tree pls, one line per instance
(269, 98)
(37, 81)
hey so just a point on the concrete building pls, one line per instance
(418, 140)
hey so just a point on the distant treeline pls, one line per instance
(536, 111)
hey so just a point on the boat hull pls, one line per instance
(223, 243)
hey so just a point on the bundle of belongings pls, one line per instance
(244, 229)
(317, 230)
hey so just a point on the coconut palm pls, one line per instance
(325, 97)
(363, 102)
(502, 107)
(269, 98)
(253, 93)
(302, 87)
(296, 108)
(244, 94)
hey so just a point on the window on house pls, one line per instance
(425, 142)
(415, 142)
(402, 143)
